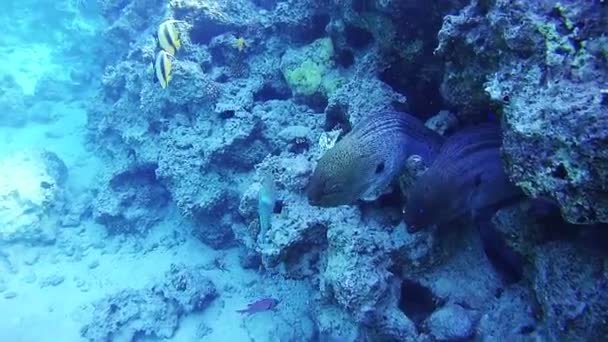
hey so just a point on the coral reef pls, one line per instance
(263, 88)
(510, 316)
(451, 323)
(131, 201)
(573, 299)
(154, 311)
(542, 64)
(306, 69)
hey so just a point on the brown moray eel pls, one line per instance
(468, 178)
(368, 158)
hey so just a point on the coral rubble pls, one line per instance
(153, 311)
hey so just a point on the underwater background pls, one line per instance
(304, 170)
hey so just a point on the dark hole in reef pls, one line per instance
(156, 127)
(554, 227)
(577, 43)
(357, 37)
(561, 51)
(223, 78)
(595, 238)
(345, 58)
(417, 301)
(392, 199)
(317, 102)
(335, 117)
(142, 175)
(604, 98)
(227, 114)
(592, 217)
(581, 219)
(265, 4)
(313, 30)
(362, 5)
(560, 172)
(269, 92)
(386, 209)
(423, 95)
(380, 168)
(527, 329)
(203, 31)
(278, 207)
(275, 152)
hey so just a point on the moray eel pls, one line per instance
(467, 176)
(468, 179)
(367, 159)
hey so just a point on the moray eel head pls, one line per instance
(343, 175)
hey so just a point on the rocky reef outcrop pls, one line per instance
(543, 65)
(131, 201)
(154, 311)
(261, 89)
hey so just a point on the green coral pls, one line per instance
(313, 72)
(306, 78)
(562, 11)
(556, 45)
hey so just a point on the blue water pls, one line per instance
(129, 212)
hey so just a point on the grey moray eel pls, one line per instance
(367, 159)
(468, 179)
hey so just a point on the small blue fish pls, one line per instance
(266, 201)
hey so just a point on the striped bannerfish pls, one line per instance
(168, 37)
(162, 68)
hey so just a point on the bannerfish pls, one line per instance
(162, 68)
(168, 37)
(365, 161)
(467, 179)
(266, 201)
(261, 305)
